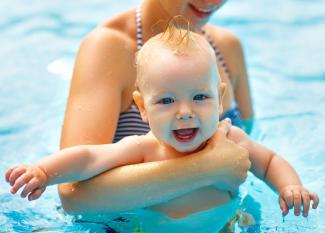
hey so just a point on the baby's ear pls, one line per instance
(222, 92)
(138, 99)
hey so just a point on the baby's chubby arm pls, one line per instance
(73, 164)
(278, 173)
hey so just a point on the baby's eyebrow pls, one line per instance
(162, 94)
(203, 89)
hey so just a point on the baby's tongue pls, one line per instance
(185, 135)
(184, 132)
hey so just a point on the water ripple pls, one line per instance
(53, 22)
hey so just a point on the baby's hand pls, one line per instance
(33, 177)
(296, 196)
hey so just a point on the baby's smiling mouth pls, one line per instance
(185, 135)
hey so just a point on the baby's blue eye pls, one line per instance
(200, 97)
(166, 101)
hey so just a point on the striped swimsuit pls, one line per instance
(130, 122)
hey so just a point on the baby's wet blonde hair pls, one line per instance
(177, 37)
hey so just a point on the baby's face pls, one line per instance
(181, 99)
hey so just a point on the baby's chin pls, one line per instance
(191, 149)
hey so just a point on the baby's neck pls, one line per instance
(201, 147)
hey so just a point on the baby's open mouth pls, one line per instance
(185, 135)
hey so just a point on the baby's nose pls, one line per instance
(185, 114)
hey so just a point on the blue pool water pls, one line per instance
(285, 54)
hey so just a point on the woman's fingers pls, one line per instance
(224, 126)
(222, 131)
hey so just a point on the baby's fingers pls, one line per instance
(288, 197)
(297, 202)
(314, 197)
(15, 173)
(8, 173)
(283, 206)
(24, 179)
(36, 194)
(306, 203)
(30, 187)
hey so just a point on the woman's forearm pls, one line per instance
(221, 163)
(133, 186)
(280, 173)
(224, 164)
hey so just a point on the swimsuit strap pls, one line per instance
(217, 53)
(139, 27)
(207, 36)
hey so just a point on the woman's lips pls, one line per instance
(185, 135)
(200, 12)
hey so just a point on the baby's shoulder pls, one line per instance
(238, 135)
(147, 142)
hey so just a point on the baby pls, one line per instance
(179, 94)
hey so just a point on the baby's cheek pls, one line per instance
(159, 129)
(210, 128)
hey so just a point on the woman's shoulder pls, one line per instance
(122, 26)
(109, 40)
(223, 37)
(103, 40)
(116, 32)
(106, 48)
(230, 47)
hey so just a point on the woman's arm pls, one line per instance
(233, 54)
(141, 185)
(103, 65)
(241, 84)
(241, 88)
(103, 72)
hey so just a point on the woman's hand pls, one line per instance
(32, 177)
(297, 196)
(232, 160)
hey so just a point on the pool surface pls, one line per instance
(285, 54)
